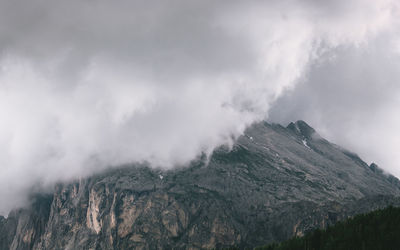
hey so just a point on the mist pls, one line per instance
(90, 85)
(353, 99)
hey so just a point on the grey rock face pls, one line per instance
(275, 183)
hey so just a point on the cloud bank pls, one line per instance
(86, 85)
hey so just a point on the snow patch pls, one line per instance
(305, 143)
(250, 137)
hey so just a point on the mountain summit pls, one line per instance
(301, 128)
(274, 183)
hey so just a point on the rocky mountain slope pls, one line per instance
(274, 183)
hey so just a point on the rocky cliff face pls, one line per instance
(276, 182)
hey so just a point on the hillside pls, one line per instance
(275, 183)
(376, 230)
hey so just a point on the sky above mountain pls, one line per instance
(353, 99)
(86, 85)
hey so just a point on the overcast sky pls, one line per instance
(89, 84)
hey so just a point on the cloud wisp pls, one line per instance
(353, 99)
(85, 85)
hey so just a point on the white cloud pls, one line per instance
(85, 85)
(353, 100)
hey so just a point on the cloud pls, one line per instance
(353, 99)
(86, 85)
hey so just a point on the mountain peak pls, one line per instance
(301, 128)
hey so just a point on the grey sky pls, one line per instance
(85, 85)
(353, 99)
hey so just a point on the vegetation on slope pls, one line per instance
(376, 230)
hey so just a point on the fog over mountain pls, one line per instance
(353, 100)
(87, 85)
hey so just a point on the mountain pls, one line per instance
(379, 229)
(275, 183)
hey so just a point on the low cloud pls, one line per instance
(87, 85)
(353, 99)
